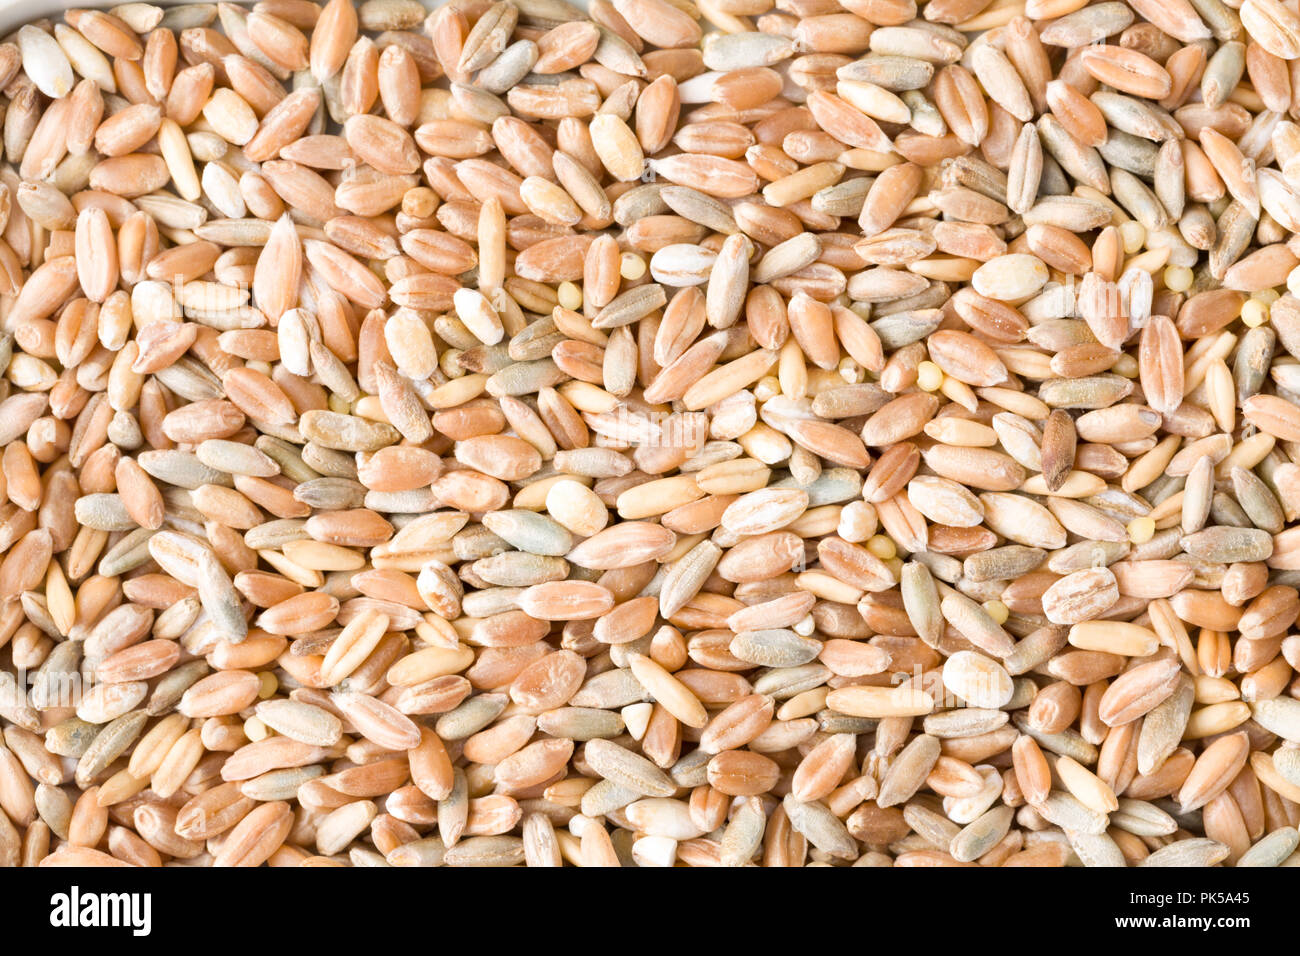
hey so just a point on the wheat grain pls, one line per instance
(537, 436)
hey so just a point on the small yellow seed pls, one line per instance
(570, 295)
(769, 386)
(1133, 234)
(1254, 313)
(998, 611)
(1178, 278)
(1141, 530)
(955, 390)
(267, 685)
(882, 546)
(420, 202)
(1267, 296)
(929, 376)
(1126, 365)
(255, 730)
(631, 266)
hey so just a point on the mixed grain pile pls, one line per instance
(711, 432)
